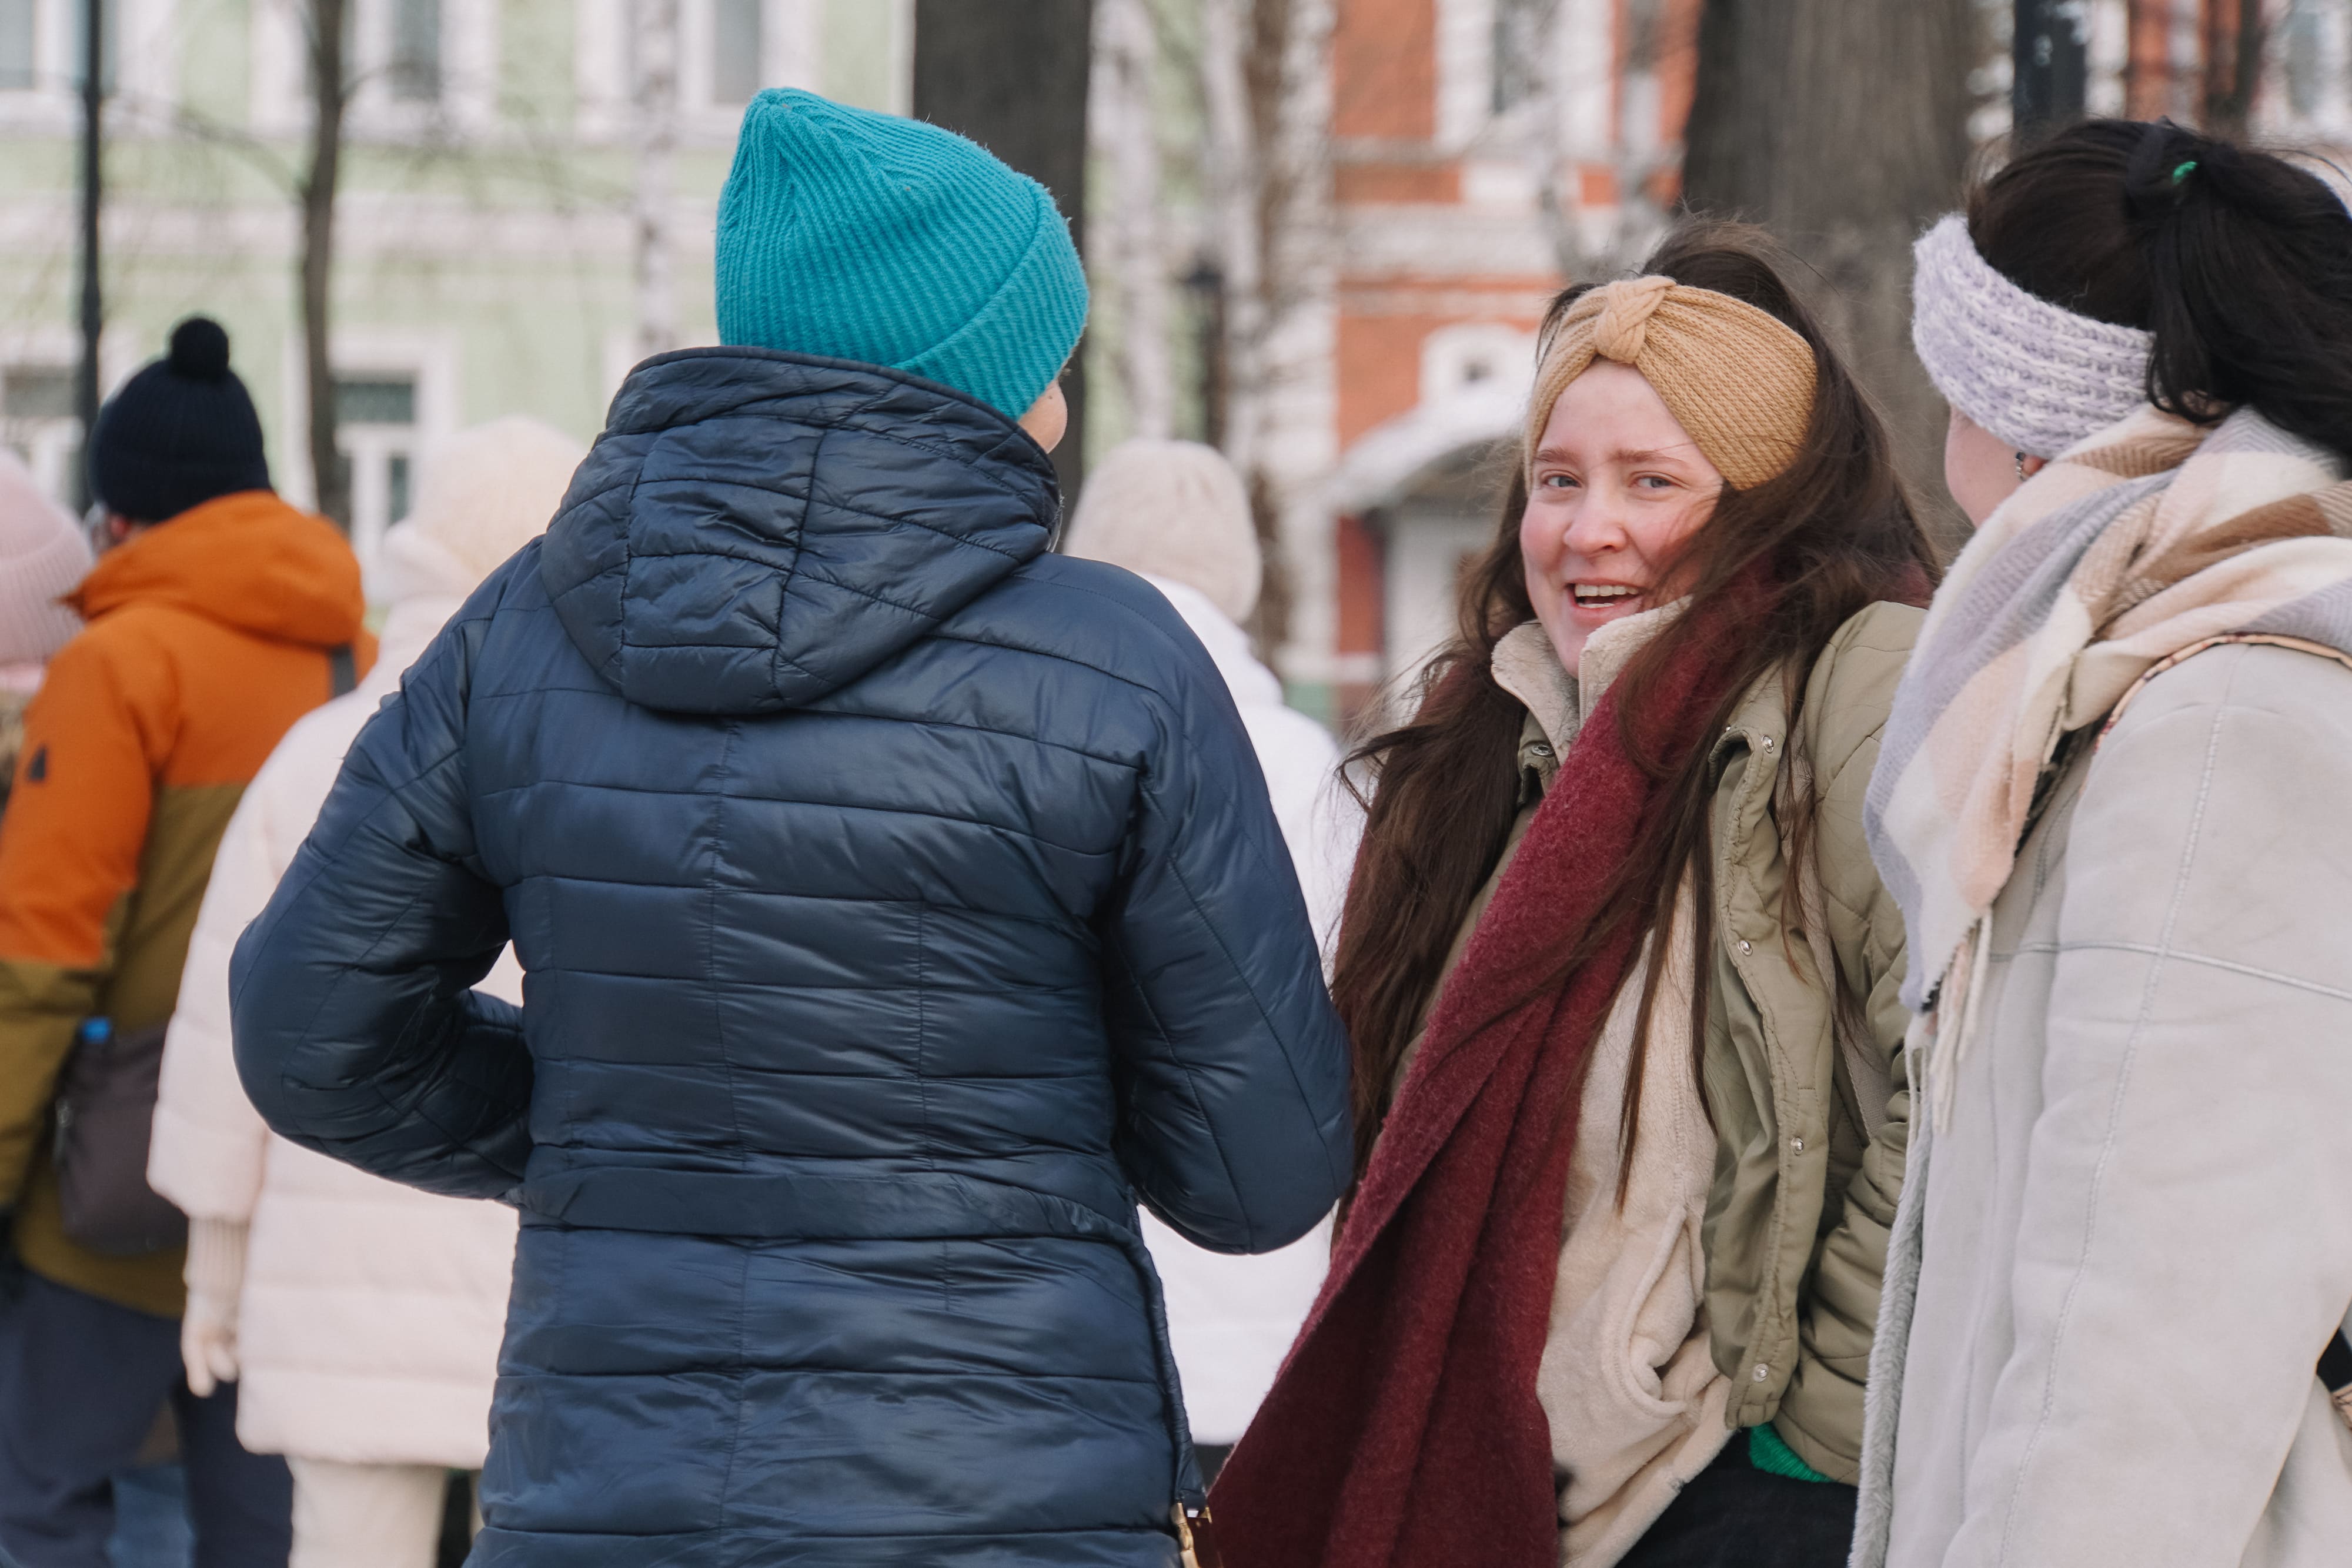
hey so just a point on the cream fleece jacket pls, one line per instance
(1627, 1381)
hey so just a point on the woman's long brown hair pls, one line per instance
(1833, 534)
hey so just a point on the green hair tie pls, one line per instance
(2181, 171)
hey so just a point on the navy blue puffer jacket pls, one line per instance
(899, 903)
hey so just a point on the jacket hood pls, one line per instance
(248, 560)
(755, 529)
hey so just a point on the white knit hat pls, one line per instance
(2035, 374)
(484, 494)
(1173, 509)
(42, 555)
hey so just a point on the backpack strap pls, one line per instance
(2300, 644)
(342, 669)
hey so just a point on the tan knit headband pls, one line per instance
(1739, 379)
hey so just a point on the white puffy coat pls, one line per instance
(371, 1313)
(1231, 1319)
(2116, 1264)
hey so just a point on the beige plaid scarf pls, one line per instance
(2147, 539)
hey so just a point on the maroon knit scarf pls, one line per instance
(1404, 1431)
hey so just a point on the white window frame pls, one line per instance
(431, 360)
(468, 102)
(791, 53)
(146, 68)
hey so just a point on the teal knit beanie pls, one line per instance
(864, 236)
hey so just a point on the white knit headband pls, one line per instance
(2036, 375)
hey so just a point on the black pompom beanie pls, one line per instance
(179, 433)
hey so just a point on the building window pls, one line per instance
(416, 57)
(736, 43)
(375, 425)
(18, 71)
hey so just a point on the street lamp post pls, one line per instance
(94, 100)
(2051, 61)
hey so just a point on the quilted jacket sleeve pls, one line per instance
(358, 1033)
(1837, 1314)
(1234, 1068)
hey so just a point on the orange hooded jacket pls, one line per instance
(207, 637)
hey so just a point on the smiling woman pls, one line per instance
(1619, 485)
(1615, 863)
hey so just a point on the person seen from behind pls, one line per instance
(43, 554)
(2112, 797)
(899, 902)
(217, 615)
(359, 1319)
(1621, 980)
(1176, 514)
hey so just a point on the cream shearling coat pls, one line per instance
(371, 1313)
(2115, 1267)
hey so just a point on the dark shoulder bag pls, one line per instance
(105, 1121)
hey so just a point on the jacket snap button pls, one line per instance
(1768, 743)
(1797, 1144)
(1762, 1372)
(1745, 947)
(1541, 749)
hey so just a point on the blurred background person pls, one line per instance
(43, 554)
(362, 1318)
(1175, 514)
(218, 614)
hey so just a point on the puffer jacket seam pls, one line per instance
(711, 944)
(884, 518)
(930, 723)
(367, 823)
(1148, 691)
(553, 967)
(789, 572)
(413, 1107)
(929, 1145)
(2149, 985)
(742, 1385)
(976, 462)
(618, 661)
(1289, 1062)
(1191, 1080)
(841, 806)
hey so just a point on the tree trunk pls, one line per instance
(653, 32)
(329, 90)
(2234, 37)
(1012, 75)
(1264, 73)
(1842, 125)
(1125, 130)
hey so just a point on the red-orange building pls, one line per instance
(1445, 118)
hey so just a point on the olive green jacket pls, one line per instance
(1808, 1096)
(1807, 1092)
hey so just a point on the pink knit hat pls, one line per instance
(42, 556)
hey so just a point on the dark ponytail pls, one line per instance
(2239, 262)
